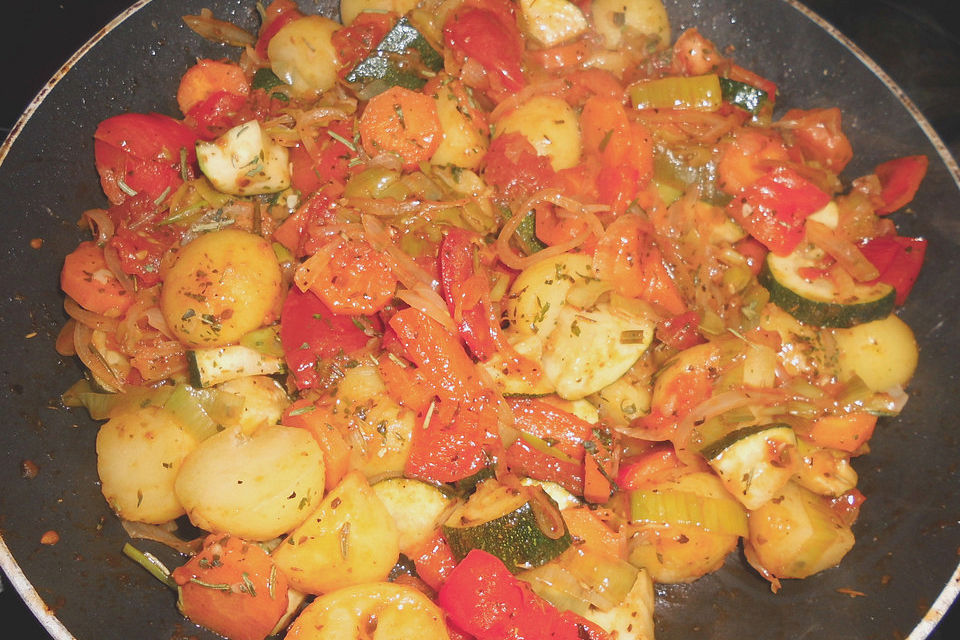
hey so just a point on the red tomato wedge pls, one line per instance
(899, 181)
(141, 153)
(490, 38)
(309, 331)
(898, 259)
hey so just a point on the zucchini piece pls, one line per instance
(520, 525)
(755, 462)
(403, 58)
(416, 506)
(212, 366)
(748, 97)
(818, 301)
(244, 161)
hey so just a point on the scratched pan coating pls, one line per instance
(84, 588)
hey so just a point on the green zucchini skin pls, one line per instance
(400, 59)
(743, 95)
(209, 367)
(508, 528)
(789, 291)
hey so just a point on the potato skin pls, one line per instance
(256, 486)
(138, 457)
(223, 285)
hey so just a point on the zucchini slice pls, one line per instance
(403, 58)
(740, 94)
(245, 161)
(416, 506)
(818, 301)
(520, 525)
(212, 366)
(755, 462)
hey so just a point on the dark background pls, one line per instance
(914, 41)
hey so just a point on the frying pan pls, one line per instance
(904, 563)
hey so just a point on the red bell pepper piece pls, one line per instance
(141, 152)
(467, 292)
(484, 599)
(773, 208)
(898, 259)
(899, 181)
(492, 39)
(643, 469)
(309, 331)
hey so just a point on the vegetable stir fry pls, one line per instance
(479, 318)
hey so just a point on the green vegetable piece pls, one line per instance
(265, 79)
(749, 98)
(403, 58)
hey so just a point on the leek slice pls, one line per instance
(685, 507)
(701, 93)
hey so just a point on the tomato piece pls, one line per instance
(774, 208)
(255, 596)
(898, 259)
(492, 39)
(277, 14)
(309, 332)
(302, 233)
(847, 505)
(680, 331)
(86, 278)
(352, 278)
(356, 41)
(141, 152)
(217, 113)
(819, 136)
(316, 418)
(648, 468)
(208, 77)
(512, 167)
(899, 181)
(433, 559)
(466, 288)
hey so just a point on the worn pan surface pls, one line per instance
(82, 587)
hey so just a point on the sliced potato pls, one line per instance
(552, 127)
(552, 22)
(378, 610)
(349, 539)
(223, 285)
(540, 292)
(464, 139)
(264, 400)
(256, 486)
(612, 18)
(883, 353)
(138, 457)
(302, 54)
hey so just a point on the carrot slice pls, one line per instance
(351, 278)
(208, 77)
(87, 279)
(403, 122)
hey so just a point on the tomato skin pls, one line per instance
(357, 40)
(309, 331)
(276, 15)
(467, 293)
(899, 181)
(774, 207)
(898, 259)
(217, 113)
(141, 151)
(492, 39)
(681, 331)
(512, 166)
(355, 280)
(819, 136)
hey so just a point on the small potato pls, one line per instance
(611, 18)
(350, 9)
(540, 292)
(302, 54)
(223, 285)
(264, 400)
(256, 486)
(796, 535)
(882, 353)
(552, 22)
(464, 140)
(349, 539)
(138, 457)
(552, 127)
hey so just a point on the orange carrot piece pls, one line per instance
(208, 77)
(232, 587)
(87, 279)
(316, 419)
(403, 122)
